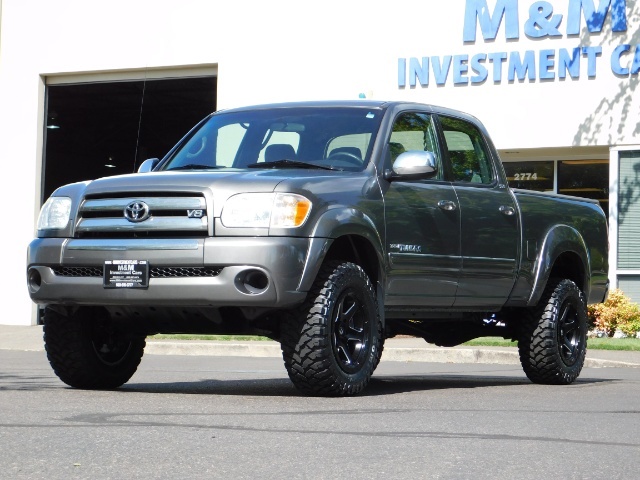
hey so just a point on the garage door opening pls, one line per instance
(101, 129)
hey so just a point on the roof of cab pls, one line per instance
(358, 103)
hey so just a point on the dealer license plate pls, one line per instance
(126, 274)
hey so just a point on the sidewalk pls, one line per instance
(396, 349)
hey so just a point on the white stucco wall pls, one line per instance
(288, 50)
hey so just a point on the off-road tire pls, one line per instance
(553, 335)
(85, 351)
(333, 343)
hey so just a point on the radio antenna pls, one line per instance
(144, 87)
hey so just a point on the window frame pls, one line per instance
(441, 176)
(484, 143)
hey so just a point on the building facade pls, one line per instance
(555, 82)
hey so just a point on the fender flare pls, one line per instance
(335, 223)
(558, 240)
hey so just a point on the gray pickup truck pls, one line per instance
(327, 226)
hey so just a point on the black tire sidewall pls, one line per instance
(69, 343)
(539, 344)
(307, 345)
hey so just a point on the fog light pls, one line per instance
(34, 280)
(252, 282)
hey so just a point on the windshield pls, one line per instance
(293, 137)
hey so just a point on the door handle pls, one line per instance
(507, 210)
(447, 205)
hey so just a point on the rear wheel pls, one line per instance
(332, 345)
(553, 336)
(86, 351)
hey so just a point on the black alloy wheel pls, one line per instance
(110, 348)
(570, 338)
(350, 332)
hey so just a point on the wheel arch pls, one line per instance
(564, 254)
(349, 235)
(359, 250)
(345, 234)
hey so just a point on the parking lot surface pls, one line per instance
(240, 417)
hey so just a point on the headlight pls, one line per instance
(262, 210)
(55, 213)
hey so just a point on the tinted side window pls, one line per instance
(470, 161)
(413, 131)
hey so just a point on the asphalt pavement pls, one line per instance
(400, 349)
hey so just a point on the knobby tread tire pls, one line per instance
(72, 356)
(306, 335)
(538, 344)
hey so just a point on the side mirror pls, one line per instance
(413, 164)
(148, 165)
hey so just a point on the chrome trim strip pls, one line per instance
(491, 259)
(421, 256)
(158, 203)
(133, 244)
(153, 224)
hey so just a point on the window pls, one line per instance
(536, 176)
(413, 131)
(336, 138)
(290, 139)
(467, 152)
(585, 178)
(629, 210)
(228, 142)
(356, 144)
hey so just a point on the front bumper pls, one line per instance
(280, 263)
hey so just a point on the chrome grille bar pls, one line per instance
(155, 203)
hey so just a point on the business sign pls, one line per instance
(543, 22)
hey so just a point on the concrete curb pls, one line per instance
(213, 348)
(504, 356)
(395, 350)
(450, 355)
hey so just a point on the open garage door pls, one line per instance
(107, 128)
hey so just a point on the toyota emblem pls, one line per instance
(137, 211)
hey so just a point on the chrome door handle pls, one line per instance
(507, 210)
(447, 205)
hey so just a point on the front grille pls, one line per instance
(154, 272)
(165, 216)
(172, 272)
(78, 271)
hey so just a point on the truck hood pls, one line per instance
(261, 180)
(217, 185)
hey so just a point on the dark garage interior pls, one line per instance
(102, 129)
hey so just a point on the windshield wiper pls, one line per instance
(286, 163)
(194, 166)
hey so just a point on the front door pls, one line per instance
(423, 225)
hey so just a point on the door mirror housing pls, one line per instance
(148, 165)
(412, 165)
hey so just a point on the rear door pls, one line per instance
(422, 223)
(488, 217)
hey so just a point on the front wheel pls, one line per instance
(553, 335)
(332, 345)
(86, 351)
